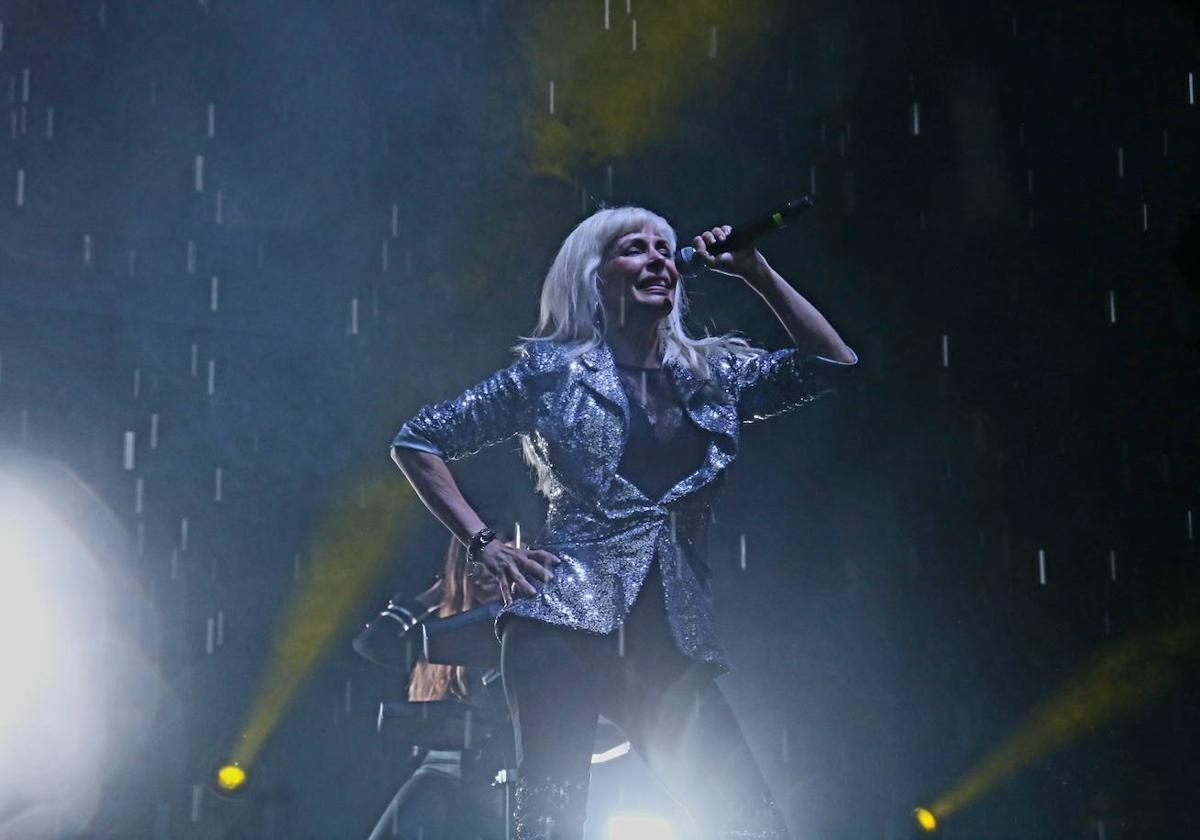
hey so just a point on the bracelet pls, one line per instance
(484, 536)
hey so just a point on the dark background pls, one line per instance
(890, 629)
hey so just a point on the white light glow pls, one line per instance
(57, 656)
(640, 827)
(29, 640)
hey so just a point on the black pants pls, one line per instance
(559, 680)
(433, 806)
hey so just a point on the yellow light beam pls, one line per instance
(350, 549)
(1128, 676)
(616, 94)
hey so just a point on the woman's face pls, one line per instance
(638, 278)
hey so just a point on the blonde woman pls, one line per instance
(629, 424)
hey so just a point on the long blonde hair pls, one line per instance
(571, 311)
(437, 682)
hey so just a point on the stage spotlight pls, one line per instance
(56, 643)
(31, 639)
(639, 827)
(231, 778)
(925, 819)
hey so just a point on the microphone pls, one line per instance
(744, 234)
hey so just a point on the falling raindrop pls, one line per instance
(127, 459)
(197, 792)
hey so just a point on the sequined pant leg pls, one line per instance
(552, 696)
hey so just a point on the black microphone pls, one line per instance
(744, 234)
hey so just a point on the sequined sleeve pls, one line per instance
(781, 380)
(487, 413)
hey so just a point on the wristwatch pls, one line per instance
(484, 536)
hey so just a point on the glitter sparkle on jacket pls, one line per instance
(574, 413)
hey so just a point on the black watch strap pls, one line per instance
(478, 541)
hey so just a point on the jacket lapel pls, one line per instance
(706, 410)
(600, 374)
(710, 410)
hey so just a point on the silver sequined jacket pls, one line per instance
(574, 415)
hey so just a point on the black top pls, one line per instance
(664, 445)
